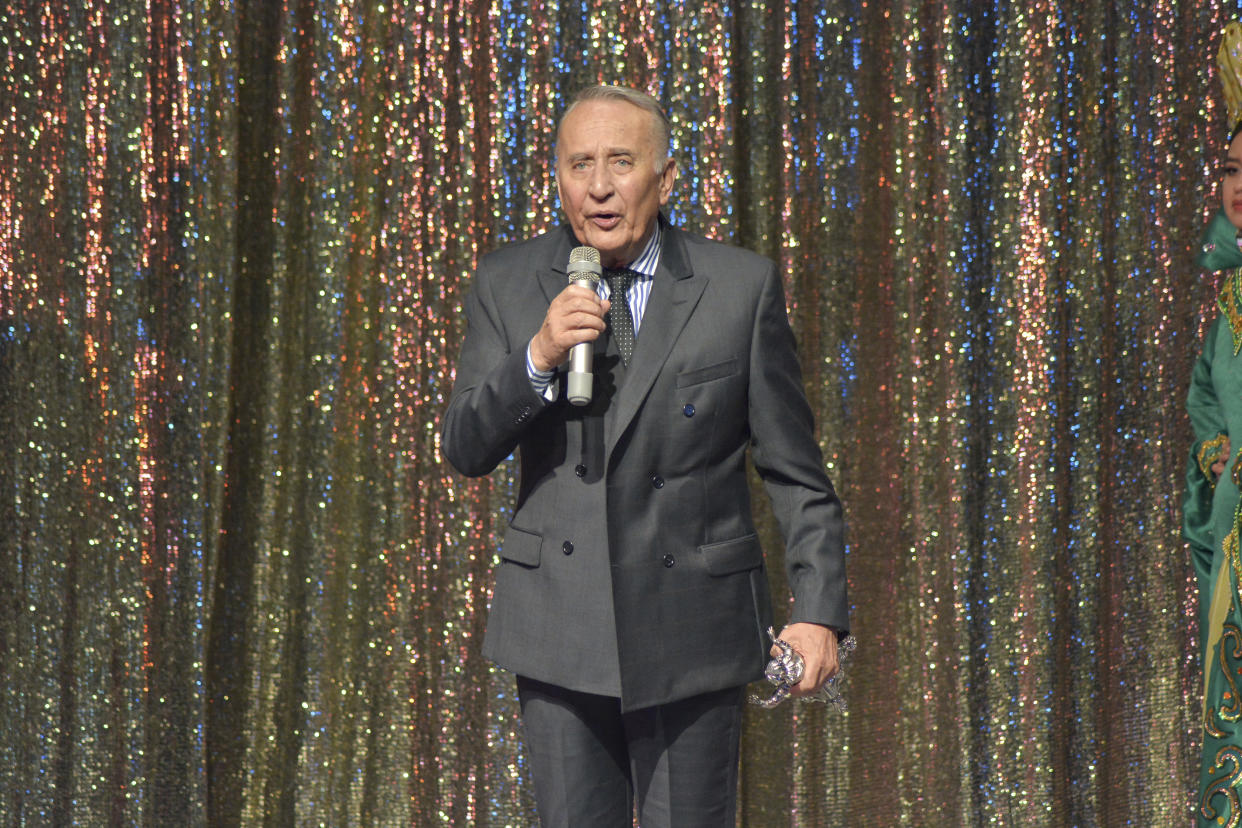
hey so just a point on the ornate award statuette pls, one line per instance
(785, 670)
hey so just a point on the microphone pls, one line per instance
(584, 269)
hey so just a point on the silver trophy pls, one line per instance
(785, 670)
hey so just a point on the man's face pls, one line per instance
(606, 171)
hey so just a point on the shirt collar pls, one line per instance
(649, 259)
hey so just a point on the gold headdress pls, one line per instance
(1229, 59)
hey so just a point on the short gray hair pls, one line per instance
(661, 127)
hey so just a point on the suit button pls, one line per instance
(580, 470)
(669, 560)
(567, 548)
(688, 410)
(657, 482)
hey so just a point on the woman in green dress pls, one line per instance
(1211, 513)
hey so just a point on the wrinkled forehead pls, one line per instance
(654, 132)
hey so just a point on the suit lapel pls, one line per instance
(675, 292)
(552, 279)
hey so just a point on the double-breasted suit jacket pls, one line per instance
(631, 566)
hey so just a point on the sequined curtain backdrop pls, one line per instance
(239, 586)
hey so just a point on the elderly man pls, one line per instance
(631, 598)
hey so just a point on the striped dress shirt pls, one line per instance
(644, 268)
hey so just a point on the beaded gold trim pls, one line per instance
(1227, 657)
(1229, 301)
(1209, 453)
(1224, 785)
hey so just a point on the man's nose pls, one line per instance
(601, 182)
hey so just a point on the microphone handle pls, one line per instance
(580, 379)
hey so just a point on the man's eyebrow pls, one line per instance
(611, 152)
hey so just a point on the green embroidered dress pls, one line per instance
(1211, 517)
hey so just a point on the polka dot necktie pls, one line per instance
(619, 317)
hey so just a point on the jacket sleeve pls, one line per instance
(1208, 447)
(493, 401)
(789, 460)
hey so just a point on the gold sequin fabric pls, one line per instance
(238, 584)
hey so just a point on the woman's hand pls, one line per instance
(1218, 468)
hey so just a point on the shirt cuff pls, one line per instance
(544, 382)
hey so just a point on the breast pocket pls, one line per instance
(698, 376)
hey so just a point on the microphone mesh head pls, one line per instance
(584, 265)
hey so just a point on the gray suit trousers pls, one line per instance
(589, 760)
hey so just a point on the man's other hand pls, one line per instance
(817, 645)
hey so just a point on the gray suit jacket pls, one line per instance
(631, 566)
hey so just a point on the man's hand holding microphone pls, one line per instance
(574, 320)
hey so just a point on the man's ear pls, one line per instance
(667, 176)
